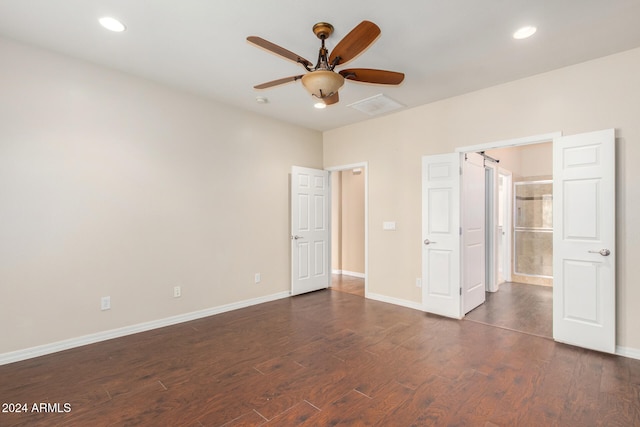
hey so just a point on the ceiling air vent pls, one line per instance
(375, 105)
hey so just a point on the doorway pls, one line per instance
(519, 240)
(348, 229)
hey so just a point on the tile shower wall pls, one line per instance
(533, 232)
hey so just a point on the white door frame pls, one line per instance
(528, 140)
(365, 171)
(491, 227)
(498, 244)
(506, 215)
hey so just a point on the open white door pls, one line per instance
(584, 303)
(309, 230)
(441, 234)
(473, 231)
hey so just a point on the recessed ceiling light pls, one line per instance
(262, 100)
(525, 32)
(112, 24)
(320, 105)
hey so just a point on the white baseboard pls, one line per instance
(41, 350)
(396, 301)
(632, 353)
(349, 273)
(16, 356)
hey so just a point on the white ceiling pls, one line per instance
(445, 47)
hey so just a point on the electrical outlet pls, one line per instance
(177, 292)
(105, 303)
(418, 282)
(258, 278)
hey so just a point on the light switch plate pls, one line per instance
(389, 225)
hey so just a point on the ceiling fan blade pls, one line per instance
(331, 99)
(367, 75)
(278, 82)
(265, 44)
(355, 42)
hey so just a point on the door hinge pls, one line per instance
(460, 229)
(460, 291)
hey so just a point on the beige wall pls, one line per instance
(347, 224)
(353, 222)
(595, 95)
(336, 220)
(113, 185)
(526, 161)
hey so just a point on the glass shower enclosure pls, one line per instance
(533, 228)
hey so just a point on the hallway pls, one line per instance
(347, 284)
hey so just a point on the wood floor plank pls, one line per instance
(415, 408)
(344, 411)
(250, 419)
(295, 416)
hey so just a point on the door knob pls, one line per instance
(603, 252)
(428, 242)
(297, 237)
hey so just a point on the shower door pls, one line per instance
(533, 237)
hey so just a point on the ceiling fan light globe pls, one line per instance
(322, 83)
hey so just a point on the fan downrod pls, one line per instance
(323, 30)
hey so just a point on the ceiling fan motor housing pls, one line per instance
(323, 30)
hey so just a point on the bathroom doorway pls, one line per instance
(519, 250)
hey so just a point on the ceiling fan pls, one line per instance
(321, 80)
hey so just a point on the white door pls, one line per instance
(309, 230)
(473, 231)
(441, 234)
(584, 303)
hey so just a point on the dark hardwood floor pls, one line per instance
(349, 284)
(325, 359)
(518, 306)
